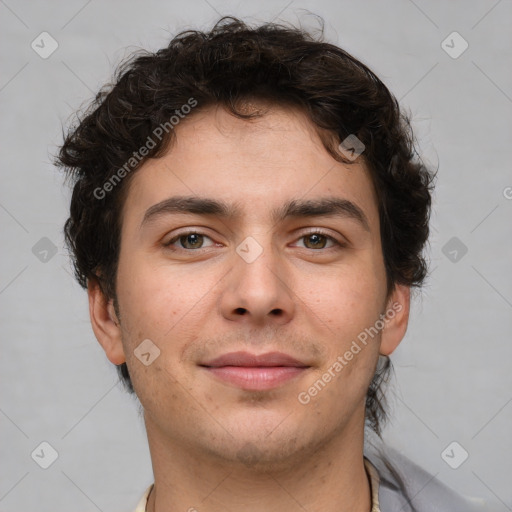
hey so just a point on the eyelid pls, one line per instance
(326, 233)
(188, 231)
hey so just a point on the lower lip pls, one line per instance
(256, 378)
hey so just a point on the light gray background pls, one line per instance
(453, 379)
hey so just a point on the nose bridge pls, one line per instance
(258, 285)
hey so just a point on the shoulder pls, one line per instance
(407, 487)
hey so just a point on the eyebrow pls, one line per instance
(323, 207)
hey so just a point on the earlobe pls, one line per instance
(396, 319)
(105, 323)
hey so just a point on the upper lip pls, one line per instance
(252, 360)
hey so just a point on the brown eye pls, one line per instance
(315, 241)
(318, 240)
(190, 240)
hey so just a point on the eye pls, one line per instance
(319, 240)
(190, 240)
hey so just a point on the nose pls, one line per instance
(258, 291)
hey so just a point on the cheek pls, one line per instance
(347, 308)
(163, 305)
(347, 302)
(159, 299)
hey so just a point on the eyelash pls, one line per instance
(320, 232)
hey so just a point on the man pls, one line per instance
(248, 219)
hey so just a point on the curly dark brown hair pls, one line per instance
(230, 65)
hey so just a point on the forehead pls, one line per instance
(278, 157)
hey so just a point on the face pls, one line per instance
(252, 261)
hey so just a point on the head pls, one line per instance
(246, 129)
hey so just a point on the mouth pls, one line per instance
(255, 372)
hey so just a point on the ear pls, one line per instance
(397, 317)
(105, 323)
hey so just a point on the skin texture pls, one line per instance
(215, 446)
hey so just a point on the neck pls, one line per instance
(329, 479)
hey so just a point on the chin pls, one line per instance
(259, 455)
(263, 446)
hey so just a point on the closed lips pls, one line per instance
(245, 359)
(251, 372)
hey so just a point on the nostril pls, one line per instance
(240, 311)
